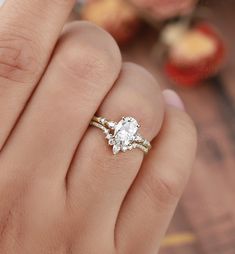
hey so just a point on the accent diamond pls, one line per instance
(111, 142)
(111, 124)
(106, 131)
(138, 138)
(108, 136)
(116, 149)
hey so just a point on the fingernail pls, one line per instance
(173, 99)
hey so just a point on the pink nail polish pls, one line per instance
(173, 99)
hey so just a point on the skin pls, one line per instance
(61, 189)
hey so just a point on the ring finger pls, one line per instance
(104, 184)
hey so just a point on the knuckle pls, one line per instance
(164, 187)
(163, 191)
(18, 58)
(172, 186)
(90, 52)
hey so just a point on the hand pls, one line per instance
(61, 188)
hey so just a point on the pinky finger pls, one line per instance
(152, 199)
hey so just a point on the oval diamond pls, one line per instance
(125, 131)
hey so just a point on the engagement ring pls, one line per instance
(122, 135)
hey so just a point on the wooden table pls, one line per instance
(205, 219)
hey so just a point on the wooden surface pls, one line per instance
(205, 219)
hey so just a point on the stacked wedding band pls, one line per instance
(122, 136)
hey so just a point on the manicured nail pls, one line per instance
(173, 99)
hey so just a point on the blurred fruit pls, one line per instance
(116, 16)
(196, 55)
(165, 9)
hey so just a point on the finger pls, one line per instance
(28, 32)
(97, 176)
(152, 199)
(84, 67)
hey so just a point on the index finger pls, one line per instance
(28, 32)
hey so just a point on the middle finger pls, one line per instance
(80, 74)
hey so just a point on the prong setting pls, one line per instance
(122, 135)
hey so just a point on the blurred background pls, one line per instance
(189, 46)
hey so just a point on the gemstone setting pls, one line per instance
(122, 136)
(125, 134)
